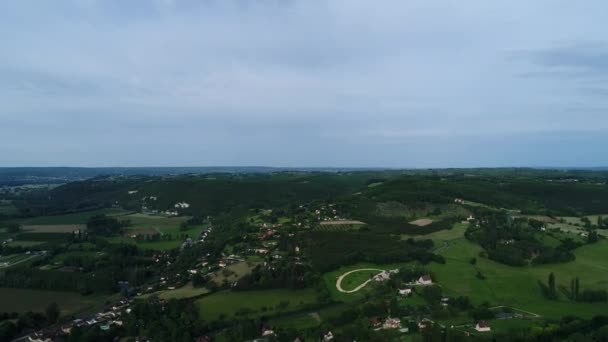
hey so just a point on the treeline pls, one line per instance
(331, 250)
(283, 274)
(530, 194)
(101, 275)
(512, 241)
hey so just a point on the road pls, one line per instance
(339, 281)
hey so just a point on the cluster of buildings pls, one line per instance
(111, 316)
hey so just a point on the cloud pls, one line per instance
(298, 78)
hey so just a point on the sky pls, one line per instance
(343, 83)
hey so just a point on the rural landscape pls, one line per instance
(309, 255)
(303, 171)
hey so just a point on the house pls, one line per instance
(382, 276)
(328, 336)
(405, 292)
(470, 218)
(375, 322)
(482, 326)
(392, 323)
(425, 280)
(268, 332)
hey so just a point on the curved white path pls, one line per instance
(340, 278)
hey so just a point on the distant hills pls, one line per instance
(15, 176)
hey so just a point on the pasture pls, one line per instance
(228, 304)
(22, 300)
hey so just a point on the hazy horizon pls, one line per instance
(387, 84)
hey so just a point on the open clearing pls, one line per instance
(186, 291)
(21, 300)
(53, 228)
(421, 222)
(233, 272)
(257, 303)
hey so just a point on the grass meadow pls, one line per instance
(259, 303)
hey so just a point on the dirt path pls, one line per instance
(340, 278)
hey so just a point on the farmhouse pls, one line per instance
(482, 326)
(425, 280)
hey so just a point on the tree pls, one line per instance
(14, 228)
(52, 312)
(551, 284)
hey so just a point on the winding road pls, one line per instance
(340, 278)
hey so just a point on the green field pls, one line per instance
(517, 286)
(355, 279)
(20, 300)
(260, 303)
(149, 224)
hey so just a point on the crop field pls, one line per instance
(53, 228)
(21, 300)
(517, 286)
(257, 303)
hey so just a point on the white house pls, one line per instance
(328, 336)
(425, 280)
(482, 326)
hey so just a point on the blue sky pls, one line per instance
(303, 83)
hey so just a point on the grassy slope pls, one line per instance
(228, 303)
(517, 286)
